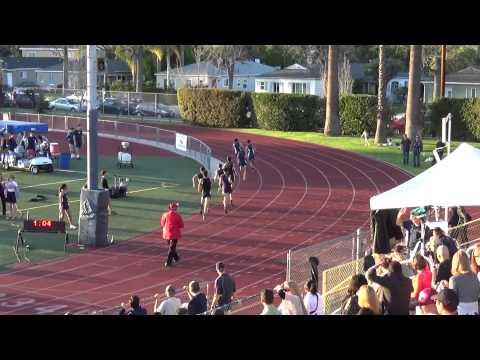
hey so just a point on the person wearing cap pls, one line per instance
(426, 302)
(447, 302)
(396, 287)
(172, 223)
(224, 287)
(170, 305)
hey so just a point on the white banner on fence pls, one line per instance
(181, 142)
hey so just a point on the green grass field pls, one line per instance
(154, 182)
(392, 155)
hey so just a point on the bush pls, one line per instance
(216, 108)
(119, 85)
(288, 112)
(41, 104)
(465, 117)
(357, 113)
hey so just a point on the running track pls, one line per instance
(301, 194)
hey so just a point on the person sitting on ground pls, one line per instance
(198, 300)
(426, 302)
(350, 302)
(423, 279)
(266, 298)
(292, 303)
(447, 302)
(475, 261)
(312, 300)
(444, 272)
(465, 283)
(368, 301)
(170, 305)
(396, 287)
(135, 308)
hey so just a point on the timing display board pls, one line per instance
(44, 225)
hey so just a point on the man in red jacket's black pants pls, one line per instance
(172, 224)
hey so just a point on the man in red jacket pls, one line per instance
(171, 223)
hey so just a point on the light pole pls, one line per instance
(443, 55)
(92, 114)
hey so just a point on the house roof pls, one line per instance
(12, 63)
(295, 71)
(469, 75)
(70, 47)
(208, 69)
(404, 75)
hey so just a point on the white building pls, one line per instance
(207, 75)
(294, 79)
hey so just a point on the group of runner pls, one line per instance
(225, 177)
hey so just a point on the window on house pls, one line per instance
(245, 83)
(299, 88)
(262, 85)
(449, 92)
(23, 75)
(225, 82)
(276, 87)
(189, 83)
(473, 92)
(238, 84)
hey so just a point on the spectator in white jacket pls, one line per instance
(292, 303)
(170, 305)
(312, 300)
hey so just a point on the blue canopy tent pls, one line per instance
(14, 127)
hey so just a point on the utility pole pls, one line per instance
(92, 164)
(443, 54)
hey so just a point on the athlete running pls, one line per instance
(227, 191)
(250, 153)
(205, 186)
(229, 170)
(236, 148)
(197, 177)
(218, 176)
(242, 163)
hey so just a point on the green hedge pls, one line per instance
(357, 113)
(216, 108)
(465, 117)
(288, 112)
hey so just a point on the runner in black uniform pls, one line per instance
(227, 191)
(242, 163)
(218, 176)
(229, 170)
(197, 177)
(205, 186)
(250, 153)
(236, 148)
(63, 206)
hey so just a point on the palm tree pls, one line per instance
(380, 134)
(165, 51)
(133, 56)
(332, 123)
(413, 123)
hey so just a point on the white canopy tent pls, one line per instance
(454, 181)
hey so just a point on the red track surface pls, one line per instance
(301, 194)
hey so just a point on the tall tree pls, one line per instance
(381, 133)
(332, 122)
(165, 51)
(133, 56)
(226, 56)
(200, 52)
(414, 123)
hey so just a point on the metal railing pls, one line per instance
(131, 132)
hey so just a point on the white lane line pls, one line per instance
(52, 183)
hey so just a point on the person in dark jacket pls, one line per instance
(11, 144)
(136, 309)
(2, 196)
(396, 287)
(198, 300)
(77, 137)
(417, 148)
(406, 144)
(71, 142)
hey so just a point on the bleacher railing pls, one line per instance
(131, 132)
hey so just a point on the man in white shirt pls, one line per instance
(170, 305)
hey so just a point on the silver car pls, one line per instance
(64, 104)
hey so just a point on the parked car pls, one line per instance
(113, 106)
(25, 100)
(398, 123)
(148, 109)
(65, 105)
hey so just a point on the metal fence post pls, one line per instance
(354, 244)
(66, 122)
(38, 117)
(359, 245)
(138, 130)
(128, 102)
(289, 265)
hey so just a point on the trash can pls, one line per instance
(64, 162)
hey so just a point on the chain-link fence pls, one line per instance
(466, 234)
(113, 103)
(131, 132)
